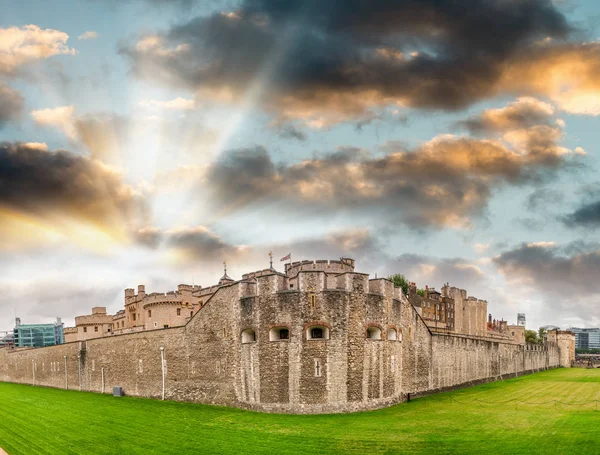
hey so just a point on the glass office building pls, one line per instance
(38, 335)
(586, 338)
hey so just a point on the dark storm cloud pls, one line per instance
(11, 104)
(442, 183)
(349, 56)
(291, 132)
(199, 242)
(588, 215)
(42, 183)
(567, 277)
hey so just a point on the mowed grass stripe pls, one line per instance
(39, 420)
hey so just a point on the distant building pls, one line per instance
(38, 335)
(586, 338)
(521, 319)
(7, 341)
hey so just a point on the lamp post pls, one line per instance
(66, 375)
(162, 366)
(79, 366)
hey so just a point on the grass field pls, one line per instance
(551, 412)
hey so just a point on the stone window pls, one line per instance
(149, 313)
(191, 313)
(108, 329)
(279, 334)
(85, 329)
(318, 369)
(317, 333)
(374, 333)
(178, 311)
(166, 326)
(155, 324)
(313, 302)
(248, 336)
(392, 334)
(95, 328)
(134, 316)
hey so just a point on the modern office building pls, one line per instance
(586, 338)
(38, 335)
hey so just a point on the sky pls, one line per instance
(148, 141)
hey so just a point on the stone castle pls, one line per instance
(318, 338)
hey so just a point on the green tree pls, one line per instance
(541, 333)
(530, 336)
(399, 281)
(421, 292)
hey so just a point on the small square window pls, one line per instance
(178, 311)
(85, 329)
(316, 332)
(149, 313)
(95, 328)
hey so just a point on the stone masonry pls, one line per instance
(320, 338)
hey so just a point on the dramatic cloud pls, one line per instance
(444, 182)
(88, 35)
(588, 215)
(60, 188)
(434, 272)
(522, 113)
(567, 281)
(19, 46)
(11, 104)
(325, 64)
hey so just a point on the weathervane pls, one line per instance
(270, 259)
(225, 267)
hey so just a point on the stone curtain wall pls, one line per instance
(207, 361)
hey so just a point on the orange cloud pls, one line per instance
(22, 45)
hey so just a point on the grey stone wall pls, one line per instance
(208, 360)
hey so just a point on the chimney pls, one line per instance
(412, 289)
(490, 318)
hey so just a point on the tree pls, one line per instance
(399, 281)
(541, 333)
(530, 336)
(421, 292)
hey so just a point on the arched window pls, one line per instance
(374, 333)
(279, 334)
(392, 334)
(317, 332)
(248, 336)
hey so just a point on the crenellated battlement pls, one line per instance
(260, 273)
(188, 288)
(329, 266)
(156, 297)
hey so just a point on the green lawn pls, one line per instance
(551, 412)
